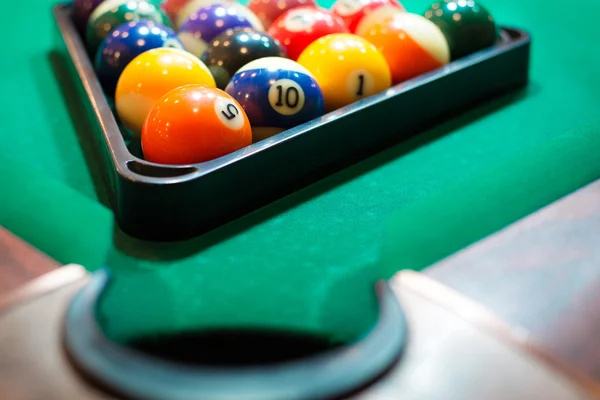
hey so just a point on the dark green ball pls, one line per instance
(112, 13)
(235, 48)
(466, 24)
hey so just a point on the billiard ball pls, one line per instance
(173, 7)
(277, 94)
(194, 5)
(193, 124)
(149, 76)
(208, 22)
(411, 45)
(353, 11)
(191, 6)
(112, 13)
(375, 17)
(269, 10)
(127, 42)
(235, 48)
(300, 26)
(347, 68)
(82, 9)
(466, 24)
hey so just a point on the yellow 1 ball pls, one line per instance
(346, 67)
(152, 74)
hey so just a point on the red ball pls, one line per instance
(172, 7)
(299, 27)
(352, 11)
(269, 10)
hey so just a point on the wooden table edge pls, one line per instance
(485, 319)
(41, 285)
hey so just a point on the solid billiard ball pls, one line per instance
(127, 42)
(208, 22)
(112, 13)
(269, 10)
(347, 68)
(195, 5)
(353, 11)
(82, 9)
(191, 6)
(149, 76)
(193, 124)
(467, 25)
(173, 7)
(411, 45)
(277, 94)
(375, 17)
(235, 48)
(299, 27)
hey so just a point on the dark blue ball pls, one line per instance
(208, 22)
(277, 94)
(127, 42)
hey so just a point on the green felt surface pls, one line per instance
(307, 262)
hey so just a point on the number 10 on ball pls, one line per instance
(277, 94)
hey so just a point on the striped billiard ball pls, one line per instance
(277, 94)
(411, 44)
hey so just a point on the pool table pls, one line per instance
(451, 215)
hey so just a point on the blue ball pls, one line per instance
(210, 21)
(277, 94)
(125, 43)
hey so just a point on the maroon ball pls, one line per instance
(81, 12)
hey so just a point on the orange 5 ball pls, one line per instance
(193, 124)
